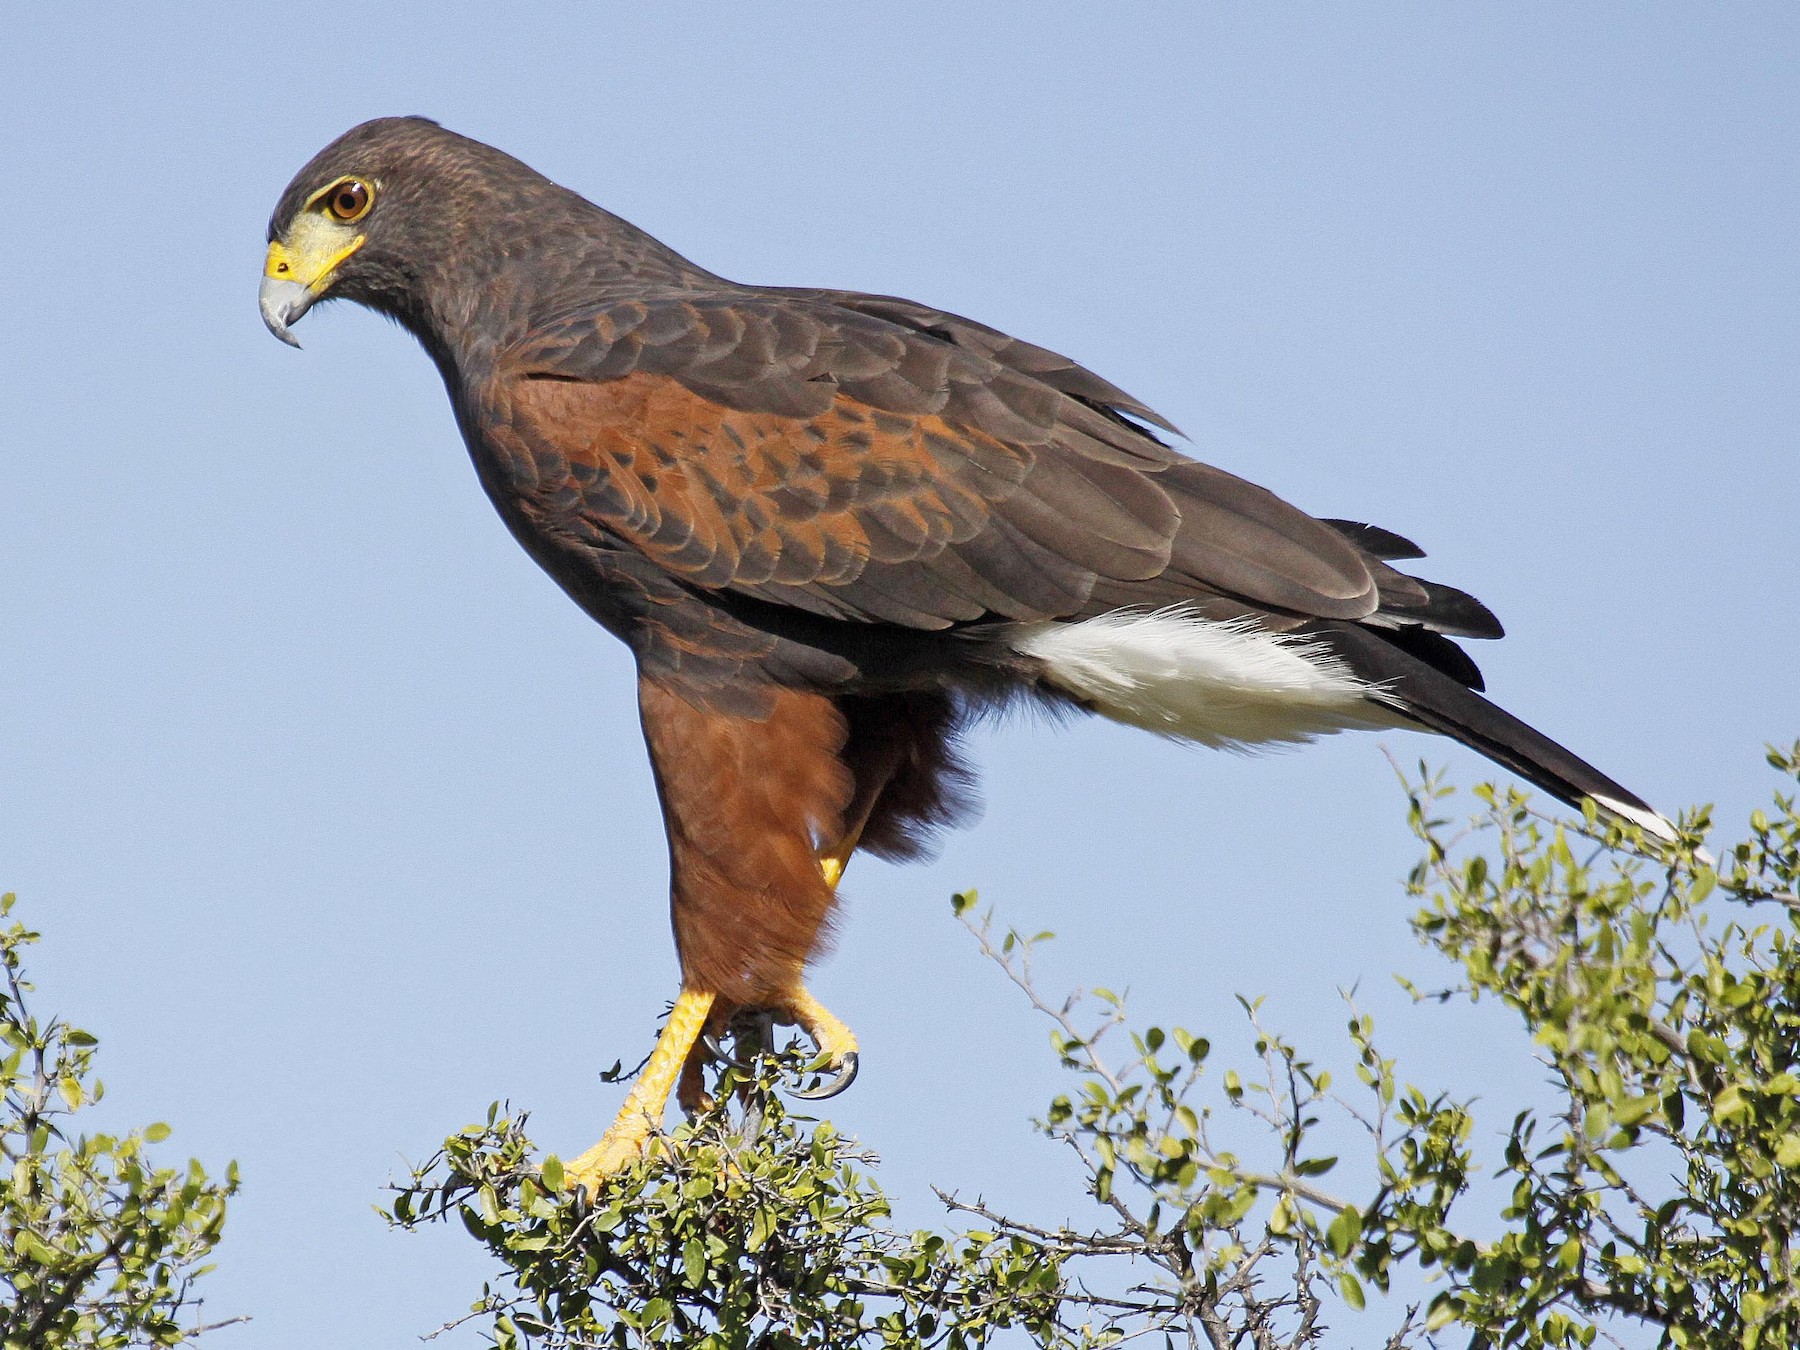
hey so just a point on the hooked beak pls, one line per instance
(283, 302)
(300, 269)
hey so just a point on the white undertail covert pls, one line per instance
(1226, 684)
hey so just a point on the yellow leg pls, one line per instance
(642, 1113)
(833, 862)
(836, 1042)
(674, 1062)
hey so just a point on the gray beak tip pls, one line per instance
(282, 303)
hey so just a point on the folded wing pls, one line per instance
(927, 473)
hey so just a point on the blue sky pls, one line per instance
(333, 809)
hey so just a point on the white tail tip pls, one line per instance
(1650, 822)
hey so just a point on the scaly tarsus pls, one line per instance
(624, 1143)
(673, 1062)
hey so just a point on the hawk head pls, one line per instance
(458, 241)
(397, 214)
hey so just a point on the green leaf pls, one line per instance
(1445, 1309)
(762, 1228)
(1344, 1231)
(1730, 1104)
(1639, 996)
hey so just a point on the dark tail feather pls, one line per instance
(1440, 703)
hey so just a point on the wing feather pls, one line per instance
(864, 459)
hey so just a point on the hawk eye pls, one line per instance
(349, 200)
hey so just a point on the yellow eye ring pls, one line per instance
(349, 200)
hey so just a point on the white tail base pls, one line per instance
(1225, 684)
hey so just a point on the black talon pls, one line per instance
(846, 1075)
(750, 1031)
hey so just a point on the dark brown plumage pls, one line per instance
(828, 525)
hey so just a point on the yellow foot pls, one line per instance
(619, 1147)
(836, 1042)
(835, 1049)
(624, 1143)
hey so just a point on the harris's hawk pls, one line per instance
(832, 526)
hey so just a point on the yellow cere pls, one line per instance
(313, 249)
(312, 252)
